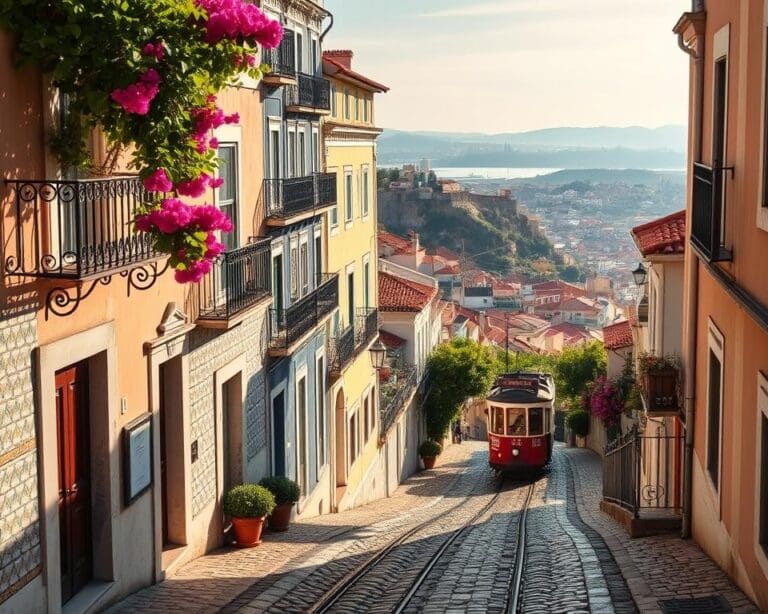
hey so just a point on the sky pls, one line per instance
(514, 65)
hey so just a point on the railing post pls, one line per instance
(638, 464)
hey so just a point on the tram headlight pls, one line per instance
(515, 452)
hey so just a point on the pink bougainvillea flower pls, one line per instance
(136, 98)
(234, 19)
(233, 118)
(158, 182)
(213, 143)
(214, 246)
(210, 218)
(154, 49)
(216, 183)
(270, 35)
(194, 188)
(193, 271)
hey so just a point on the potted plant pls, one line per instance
(247, 505)
(429, 451)
(577, 421)
(286, 493)
(659, 375)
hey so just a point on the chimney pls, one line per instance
(414, 241)
(483, 321)
(341, 56)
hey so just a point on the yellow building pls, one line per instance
(350, 152)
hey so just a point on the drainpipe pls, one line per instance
(691, 301)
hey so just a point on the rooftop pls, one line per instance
(617, 336)
(663, 236)
(338, 63)
(399, 294)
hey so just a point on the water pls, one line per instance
(492, 173)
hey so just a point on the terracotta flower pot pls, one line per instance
(280, 517)
(248, 531)
(429, 461)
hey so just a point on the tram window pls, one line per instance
(515, 421)
(536, 421)
(497, 420)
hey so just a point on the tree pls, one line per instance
(577, 366)
(394, 174)
(382, 177)
(431, 179)
(571, 273)
(459, 370)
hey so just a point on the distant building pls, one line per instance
(425, 165)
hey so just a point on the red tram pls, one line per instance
(521, 421)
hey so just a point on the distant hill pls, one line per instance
(630, 176)
(632, 146)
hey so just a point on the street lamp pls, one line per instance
(378, 354)
(640, 273)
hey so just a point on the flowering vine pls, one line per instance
(147, 72)
(606, 401)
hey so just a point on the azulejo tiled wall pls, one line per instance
(19, 519)
(210, 351)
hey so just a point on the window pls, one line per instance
(516, 421)
(315, 57)
(304, 269)
(352, 438)
(366, 420)
(372, 400)
(536, 421)
(335, 216)
(351, 297)
(318, 259)
(333, 99)
(292, 153)
(357, 106)
(366, 285)
(346, 103)
(497, 420)
(348, 197)
(227, 155)
(302, 154)
(315, 151)
(294, 274)
(320, 379)
(714, 404)
(299, 52)
(365, 191)
(365, 109)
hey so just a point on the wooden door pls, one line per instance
(74, 479)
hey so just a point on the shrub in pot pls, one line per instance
(578, 421)
(429, 451)
(248, 505)
(286, 493)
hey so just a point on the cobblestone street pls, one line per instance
(448, 541)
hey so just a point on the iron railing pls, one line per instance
(240, 278)
(77, 229)
(291, 323)
(395, 388)
(708, 213)
(641, 472)
(310, 92)
(352, 340)
(288, 197)
(282, 60)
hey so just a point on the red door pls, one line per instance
(74, 479)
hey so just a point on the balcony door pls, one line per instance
(292, 152)
(274, 170)
(277, 285)
(302, 168)
(227, 154)
(299, 52)
(351, 298)
(719, 138)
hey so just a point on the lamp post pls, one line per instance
(640, 274)
(378, 354)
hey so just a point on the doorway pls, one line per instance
(74, 444)
(341, 444)
(232, 432)
(172, 494)
(278, 422)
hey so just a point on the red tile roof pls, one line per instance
(618, 336)
(399, 294)
(663, 236)
(390, 340)
(337, 64)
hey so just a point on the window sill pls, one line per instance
(348, 225)
(334, 230)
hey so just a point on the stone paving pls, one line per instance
(655, 568)
(578, 559)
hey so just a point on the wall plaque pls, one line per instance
(137, 457)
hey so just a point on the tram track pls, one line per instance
(340, 589)
(515, 591)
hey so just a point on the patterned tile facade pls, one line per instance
(209, 351)
(20, 557)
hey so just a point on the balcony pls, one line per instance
(660, 392)
(290, 325)
(282, 61)
(355, 339)
(77, 230)
(240, 279)
(396, 388)
(309, 95)
(708, 219)
(290, 200)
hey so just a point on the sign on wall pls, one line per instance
(137, 457)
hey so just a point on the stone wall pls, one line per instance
(20, 557)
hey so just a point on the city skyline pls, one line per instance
(444, 57)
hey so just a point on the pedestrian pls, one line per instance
(457, 432)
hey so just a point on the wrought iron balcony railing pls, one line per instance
(310, 92)
(291, 323)
(76, 229)
(285, 198)
(395, 388)
(353, 339)
(708, 215)
(282, 61)
(240, 278)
